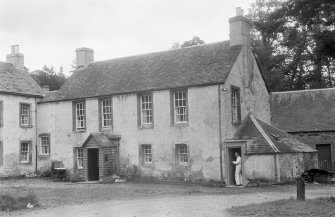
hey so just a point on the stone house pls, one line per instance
(308, 115)
(173, 114)
(176, 114)
(19, 94)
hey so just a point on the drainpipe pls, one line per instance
(36, 138)
(220, 132)
(276, 167)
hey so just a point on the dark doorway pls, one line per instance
(231, 166)
(324, 155)
(93, 164)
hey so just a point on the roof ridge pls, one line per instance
(266, 137)
(161, 51)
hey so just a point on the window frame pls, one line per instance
(45, 135)
(144, 155)
(184, 155)
(1, 113)
(28, 115)
(235, 105)
(28, 152)
(102, 114)
(140, 111)
(81, 158)
(174, 109)
(75, 117)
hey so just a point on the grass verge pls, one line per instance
(9, 202)
(289, 208)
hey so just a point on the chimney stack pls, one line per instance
(45, 89)
(15, 57)
(239, 29)
(84, 56)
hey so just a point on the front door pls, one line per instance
(93, 164)
(324, 155)
(231, 167)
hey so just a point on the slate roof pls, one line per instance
(304, 111)
(192, 66)
(267, 139)
(16, 81)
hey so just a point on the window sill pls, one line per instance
(25, 163)
(23, 126)
(44, 155)
(183, 124)
(146, 126)
(80, 131)
(148, 165)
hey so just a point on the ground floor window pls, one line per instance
(80, 158)
(45, 145)
(181, 153)
(25, 151)
(146, 154)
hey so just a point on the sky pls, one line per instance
(49, 31)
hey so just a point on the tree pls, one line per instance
(48, 76)
(294, 41)
(194, 41)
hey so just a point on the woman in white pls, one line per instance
(238, 169)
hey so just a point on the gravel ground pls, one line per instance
(64, 193)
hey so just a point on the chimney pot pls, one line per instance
(84, 56)
(239, 11)
(15, 57)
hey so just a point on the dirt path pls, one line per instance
(176, 206)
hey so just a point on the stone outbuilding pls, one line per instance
(268, 153)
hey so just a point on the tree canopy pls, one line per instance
(48, 76)
(294, 41)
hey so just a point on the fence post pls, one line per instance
(300, 188)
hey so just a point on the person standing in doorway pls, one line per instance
(238, 169)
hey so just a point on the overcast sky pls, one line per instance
(49, 31)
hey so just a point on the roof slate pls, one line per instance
(281, 142)
(16, 81)
(185, 67)
(304, 111)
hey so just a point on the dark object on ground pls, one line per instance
(309, 175)
(58, 170)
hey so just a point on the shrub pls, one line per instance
(10, 203)
(76, 177)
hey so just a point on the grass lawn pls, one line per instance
(324, 207)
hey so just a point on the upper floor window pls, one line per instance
(25, 152)
(106, 113)
(1, 113)
(181, 153)
(45, 144)
(180, 107)
(25, 115)
(146, 115)
(79, 116)
(235, 105)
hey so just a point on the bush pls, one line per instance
(76, 177)
(10, 203)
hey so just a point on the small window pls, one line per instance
(181, 153)
(79, 116)
(146, 154)
(1, 113)
(24, 115)
(180, 107)
(235, 105)
(80, 158)
(146, 116)
(106, 157)
(25, 152)
(45, 145)
(106, 113)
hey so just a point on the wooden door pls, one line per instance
(93, 164)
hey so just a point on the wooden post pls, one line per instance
(300, 188)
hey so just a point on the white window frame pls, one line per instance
(147, 154)
(25, 153)
(106, 113)
(24, 114)
(80, 116)
(146, 111)
(80, 158)
(45, 145)
(180, 107)
(182, 153)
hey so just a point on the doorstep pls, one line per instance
(89, 182)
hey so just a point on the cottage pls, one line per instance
(19, 94)
(308, 115)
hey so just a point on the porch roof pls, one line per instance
(102, 139)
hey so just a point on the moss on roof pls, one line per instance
(193, 66)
